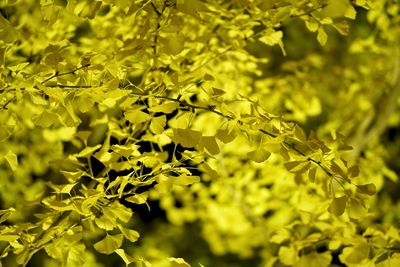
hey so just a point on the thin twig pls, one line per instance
(65, 73)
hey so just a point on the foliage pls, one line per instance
(231, 118)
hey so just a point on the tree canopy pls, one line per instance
(178, 133)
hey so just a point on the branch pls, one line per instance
(65, 73)
(291, 146)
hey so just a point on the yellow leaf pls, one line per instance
(314, 260)
(157, 124)
(109, 244)
(322, 37)
(106, 222)
(272, 37)
(138, 198)
(356, 210)
(288, 255)
(166, 108)
(137, 116)
(259, 155)
(130, 234)
(368, 189)
(125, 257)
(210, 144)
(225, 136)
(185, 180)
(12, 160)
(178, 262)
(338, 205)
(186, 137)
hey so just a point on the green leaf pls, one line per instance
(338, 205)
(12, 160)
(368, 189)
(109, 244)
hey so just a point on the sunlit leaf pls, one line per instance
(109, 244)
(338, 205)
(130, 234)
(12, 160)
(259, 155)
(178, 262)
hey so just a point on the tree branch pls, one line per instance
(65, 73)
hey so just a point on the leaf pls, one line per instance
(312, 173)
(299, 133)
(125, 257)
(338, 205)
(368, 189)
(186, 137)
(61, 189)
(137, 116)
(353, 171)
(342, 27)
(322, 37)
(121, 212)
(314, 259)
(109, 244)
(272, 37)
(185, 180)
(138, 198)
(166, 108)
(173, 45)
(130, 234)
(225, 136)
(297, 166)
(209, 143)
(357, 210)
(12, 160)
(288, 255)
(106, 222)
(259, 155)
(157, 124)
(355, 254)
(87, 151)
(350, 13)
(4, 214)
(178, 262)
